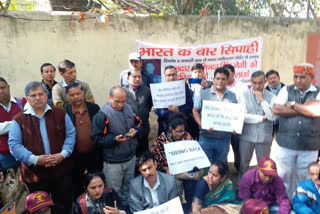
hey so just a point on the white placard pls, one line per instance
(183, 156)
(222, 116)
(168, 93)
(172, 206)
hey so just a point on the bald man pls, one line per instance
(114, 130)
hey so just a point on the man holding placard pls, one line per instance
(257, 130)
(214, 143)
(171, 75)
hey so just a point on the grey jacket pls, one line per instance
(140, 197)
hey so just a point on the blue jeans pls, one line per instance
(273, 209)
(215, 149)
(8, 161)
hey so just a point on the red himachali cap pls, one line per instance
(304, 68)
(37, 200)
(268, 167)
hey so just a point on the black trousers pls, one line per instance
(235, 138)
(60, 189)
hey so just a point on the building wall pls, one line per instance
(100, 51)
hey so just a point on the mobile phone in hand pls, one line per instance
(194, 81)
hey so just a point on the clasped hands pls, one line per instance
(49, 160)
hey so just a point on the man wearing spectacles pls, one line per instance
(171, 74)
(43, 138)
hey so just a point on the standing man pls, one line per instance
(238, 88)
(257, 128)
(42, 138)
(171, 74)
(151, 188)
(299, 127)
(85, 154)
(9, 107)
(215, 143)
(114, 128)
(48, 72)
(68, 71)
(274, 84)
(198, 72)
(135, 64)
(139, 98)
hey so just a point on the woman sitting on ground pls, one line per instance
(214, 193)
(97, 199)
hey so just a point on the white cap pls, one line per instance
(134, 56)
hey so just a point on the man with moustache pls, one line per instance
(139, 98)
(114, 129)
(85, 154)
(257, 129)
(48, 72)
(135, 64)
(214, 143)
(67, 70)
(42, 138)
(152, 188)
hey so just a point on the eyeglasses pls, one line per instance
(171, 75)
(180, 132)
(46, 211)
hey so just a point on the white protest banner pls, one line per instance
(222, 116)
(245, 55)
(183, 156)
(172, 206)
(168, 93)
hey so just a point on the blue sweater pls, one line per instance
(307, 198)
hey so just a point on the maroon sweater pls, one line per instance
(31, 139)
(7, 116)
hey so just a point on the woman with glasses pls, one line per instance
(176, 132)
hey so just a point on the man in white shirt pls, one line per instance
(151, 188)
(299, 127)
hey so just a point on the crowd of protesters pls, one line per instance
(74, 157)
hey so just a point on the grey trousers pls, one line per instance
(246, 151)
(118, 177)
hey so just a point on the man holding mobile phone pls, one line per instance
(307, 196)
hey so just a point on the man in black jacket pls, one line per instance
(85, 154)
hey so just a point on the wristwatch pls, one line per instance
(292, 104)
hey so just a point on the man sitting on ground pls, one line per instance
(307, 196)
(151, 188)
(264, 184)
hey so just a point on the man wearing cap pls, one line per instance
(135, 64)
(307, 196)
(263, 183)
(39, 202)
(299, 127)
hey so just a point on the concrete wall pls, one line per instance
(101, 51)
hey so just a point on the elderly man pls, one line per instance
(9, 107)
(135, 64)
(114, 128)
(42, 138)
(139, 98)
(85, 155)
(215, 143)
(151, 188)
(257, 130)
(48, 72)
(307, 196)
(67, 70)
(299, 127)
(163, 114)
(264, 184)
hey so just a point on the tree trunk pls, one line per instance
(69, 5)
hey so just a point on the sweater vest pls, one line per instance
(299, 132)
(120, 122)
(31, 139)
(7, 116)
